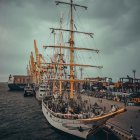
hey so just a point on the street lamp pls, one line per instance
(134, 71)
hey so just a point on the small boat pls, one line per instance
(29, 90)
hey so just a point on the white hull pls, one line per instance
(74, 127)
(42, 92)
(38, 96)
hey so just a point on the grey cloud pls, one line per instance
(115, 23)
(106, 9)
(124, 30)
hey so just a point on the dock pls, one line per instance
(126, 125)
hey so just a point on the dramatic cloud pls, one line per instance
(116, 25)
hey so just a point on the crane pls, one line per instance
(36, 53)
(40, 69)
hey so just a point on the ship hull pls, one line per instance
(38, 95)
(76, 126)
(73, 127)
(13, 86)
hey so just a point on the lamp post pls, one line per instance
(134, 71)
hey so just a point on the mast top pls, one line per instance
(71, 3)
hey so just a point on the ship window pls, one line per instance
(43, 90)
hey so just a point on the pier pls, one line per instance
(126, 125)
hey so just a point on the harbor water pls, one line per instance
(21, 118)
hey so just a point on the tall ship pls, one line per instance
(68, 110)
(18, 82)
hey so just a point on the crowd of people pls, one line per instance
(107, 95)
(75, 108)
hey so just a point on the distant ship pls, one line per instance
(18, 82)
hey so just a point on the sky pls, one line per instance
(115, 24)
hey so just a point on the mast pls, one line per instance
(71, 42)
(71, 50)
(61, 58)
(53, 88)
